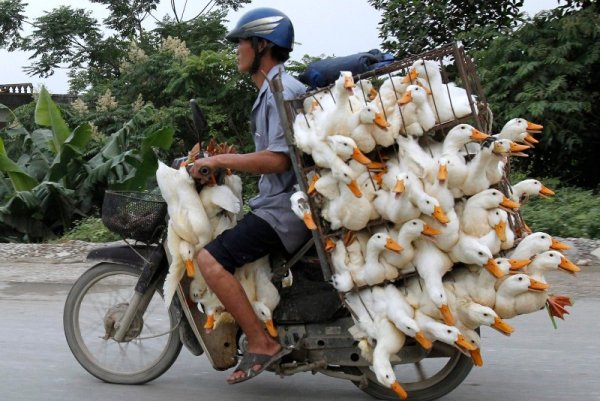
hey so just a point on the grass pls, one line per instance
(89, 229)
(572, 212)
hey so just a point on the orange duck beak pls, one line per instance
(493, 268)
(440, 216)
(271, 328)
(559, 246)
(393, 246)
(516, 264)
(380, 121)
(360, 157)
(568, 266)
(189, 268)
(503, 327)
(428, 230)
(423, 341)
(400, 392)
(476, 357)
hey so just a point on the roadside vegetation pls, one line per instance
(134, 85)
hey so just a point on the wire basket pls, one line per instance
(136, 215)
(454, 66)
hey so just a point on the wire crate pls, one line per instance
(454, 66)
(135, 215)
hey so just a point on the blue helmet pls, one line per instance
(265, 23)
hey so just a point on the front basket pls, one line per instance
(135, 215)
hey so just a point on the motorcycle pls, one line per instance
(120, 330)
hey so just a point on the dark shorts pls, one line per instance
(251, 239)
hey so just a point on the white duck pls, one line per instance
(416, 115)
(396, 205)
(478, 283)
(530, 187)
(432, 264)
(267, 296)
(201, 294)
(373, 271)
(182, 259)
(473, 315)
(519, 130)
(437, 331)
(474, 219)
(351, 212)
(449, 101)
(509, 290)
(536, 243)
(389, 342)
(218, 200)
(301, 208)
(388, 301)
(369, 125)
(329, 184)
(438, 186)
(470, 250)
(550, 260)
(449, 231)
(410, 231)
(184, 205)
(493, 240)
(335, 119)
(364, 92)
(342, 278)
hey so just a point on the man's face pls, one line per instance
(245, 55)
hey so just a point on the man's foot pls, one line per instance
(253, 364)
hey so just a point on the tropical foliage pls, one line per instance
(411, 27)
(48, 177)
(546, 71)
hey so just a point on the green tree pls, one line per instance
(411, 27)
(548, 71)
(71, 37)
(57, 180)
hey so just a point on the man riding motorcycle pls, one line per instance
(265, 37)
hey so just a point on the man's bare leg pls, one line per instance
(231, 294)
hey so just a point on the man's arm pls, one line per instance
(262, 162)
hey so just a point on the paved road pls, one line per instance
(536, 363)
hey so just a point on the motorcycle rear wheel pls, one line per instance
(152, 343)
(448, 369)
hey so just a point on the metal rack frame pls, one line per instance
(449, 56)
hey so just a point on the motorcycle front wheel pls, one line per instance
(96, 302)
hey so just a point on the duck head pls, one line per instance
(465, 133)
(346, 148)
(343, 173)
(552, 260)
(382, 241)
(385, 375)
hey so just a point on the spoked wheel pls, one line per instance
(96, 302)
(429, 379)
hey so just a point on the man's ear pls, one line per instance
(262, 45)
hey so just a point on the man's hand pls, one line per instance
(210, 163)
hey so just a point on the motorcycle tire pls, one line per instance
(438, 385)
(160, 332)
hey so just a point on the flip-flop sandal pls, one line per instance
(249, 360)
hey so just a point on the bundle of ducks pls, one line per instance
(425, 237)
(196, 218)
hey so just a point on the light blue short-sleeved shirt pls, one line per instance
(272, 204)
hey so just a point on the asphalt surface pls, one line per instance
(536, 363)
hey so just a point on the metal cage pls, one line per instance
(455, 66)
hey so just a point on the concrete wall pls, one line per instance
(14, 100)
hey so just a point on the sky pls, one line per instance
(331, 27)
